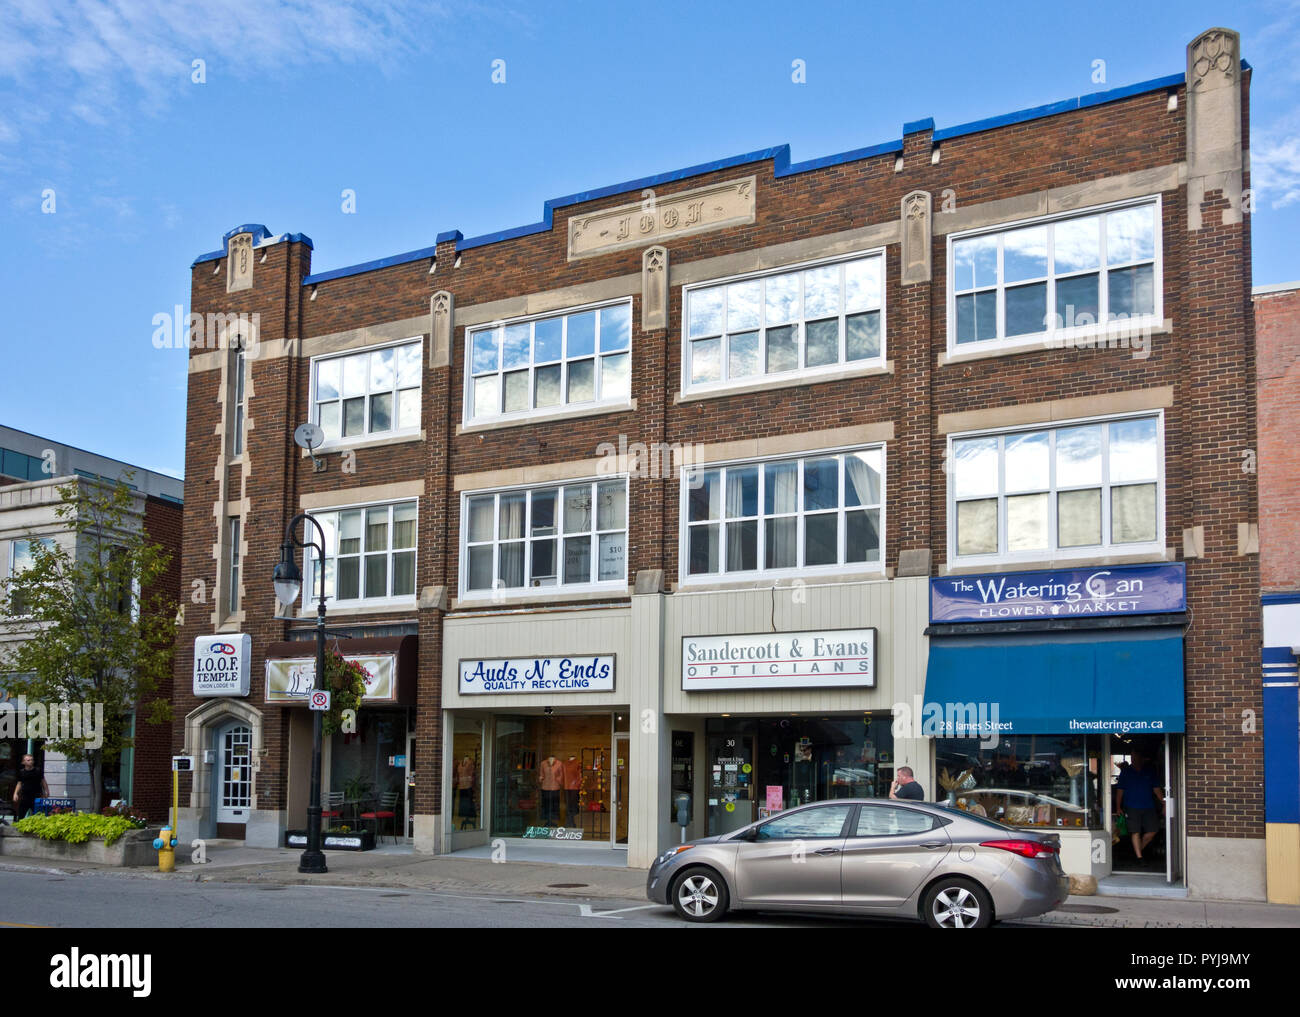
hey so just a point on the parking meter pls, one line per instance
(682, 803)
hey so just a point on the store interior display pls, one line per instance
(551, 772)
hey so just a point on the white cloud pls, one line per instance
(93, 59)
(1275, 166)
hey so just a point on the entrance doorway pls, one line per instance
(234, 777)
(622, 788)
(1149, 839)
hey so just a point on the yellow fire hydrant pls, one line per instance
(165, 843)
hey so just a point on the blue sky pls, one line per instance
(394, 100)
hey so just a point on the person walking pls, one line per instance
(1136, 795)
(30, 786)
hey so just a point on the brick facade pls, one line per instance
(1277, 332)
(1206, 359)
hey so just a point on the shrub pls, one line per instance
(138, 817)
(76, 827)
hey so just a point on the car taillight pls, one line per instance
(1024, 848)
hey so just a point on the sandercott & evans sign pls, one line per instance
(829, 658)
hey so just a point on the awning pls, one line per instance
(1095, 682)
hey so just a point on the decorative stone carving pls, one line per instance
(441, 307)
(654, 288)
(1214, 157)
(916, 237)
(695, 211)
(239, 262)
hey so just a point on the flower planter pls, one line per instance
(135, 847)
(354, 840)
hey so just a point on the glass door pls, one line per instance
(1173, 809)
(235, 780)
(622, 788)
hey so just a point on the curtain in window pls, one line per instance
(782, 496)
(862, 479)
(511, 556)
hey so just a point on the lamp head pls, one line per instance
(287, 578)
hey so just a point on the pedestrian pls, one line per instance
(31, 785)
(1137, 795)
(906, 787)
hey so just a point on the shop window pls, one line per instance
(368, 763)
(574, 535)
(369, 554)
(1025, 780)
(784, 516)
(1070, 491)
(552, 772)
(543, 365)
(371, 392)
(1050, 276)
(467, 774)
(807, 320)
(756, 768)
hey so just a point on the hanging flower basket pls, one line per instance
(346, 681)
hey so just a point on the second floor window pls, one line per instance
(369, 554)
(371, 392)
(237, 438)
(20, 560)
(809, 319)
(568, 535)
(1074, 490)
(783, 515)
(543, 364)
(233, 602)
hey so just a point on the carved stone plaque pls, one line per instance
(660, 219)
(239, 263)
(654, 288)
(916, 238)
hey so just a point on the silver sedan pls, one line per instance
(876, 857)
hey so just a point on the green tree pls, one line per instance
(96, 627)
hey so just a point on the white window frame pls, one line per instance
(810, 373)
(311, 569)
(240, 370)
(1053, 553)
(13, 556)
(686, 579)
(367, 435)
(1054, 336)
(560, 589)
(232, 576)
(564, 407)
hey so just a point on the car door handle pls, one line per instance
(827, 851)
(932, 844)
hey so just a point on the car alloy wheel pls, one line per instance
(958, 904)
(699, 896)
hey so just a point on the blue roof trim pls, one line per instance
(1064, 106)
(1280, 598)
(782, 167)
(261, 238)
(369, 266)
(780, 155)
(259, 232)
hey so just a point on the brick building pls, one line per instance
(32, 470)
(713, 482)
(1277, 330)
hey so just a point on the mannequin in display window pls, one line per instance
(550, 778)
(572, 789)
(464, 777)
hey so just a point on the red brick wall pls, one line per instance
(151, 774)
(1277, 331)
(1208, 360)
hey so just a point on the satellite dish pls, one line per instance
(308, 436)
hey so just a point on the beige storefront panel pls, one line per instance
(527, 637)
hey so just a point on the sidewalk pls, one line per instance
(400, 868)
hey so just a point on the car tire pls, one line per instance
(956, 903)
(700, 895)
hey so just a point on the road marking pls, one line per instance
(587, 912)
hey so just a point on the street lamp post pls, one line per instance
(288, 584)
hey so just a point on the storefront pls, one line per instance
(366, 768)
(538, 744)
(1044, 688)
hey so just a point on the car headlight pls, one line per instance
(663, 858)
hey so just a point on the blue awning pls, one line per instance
(1095, 682)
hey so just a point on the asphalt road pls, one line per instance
(29, 899)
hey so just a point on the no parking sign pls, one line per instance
(319, 700)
